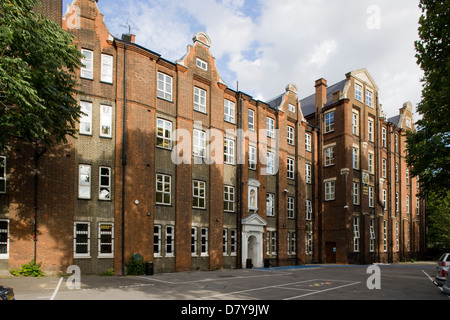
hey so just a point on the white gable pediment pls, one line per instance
(254, 220)
(364, 76)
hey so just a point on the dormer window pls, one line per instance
(202, 64)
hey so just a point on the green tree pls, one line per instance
(429, 146)
(38, 60)
(439, 222)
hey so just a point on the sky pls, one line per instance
(260, 46)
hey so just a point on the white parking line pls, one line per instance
(56, 289)
(440, 288)
(320, 291)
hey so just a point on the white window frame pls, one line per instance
(308, 173)
(157, 240)
(355, 157)
(370, 128)
(356, 234)
(308, 142)
(199, 143)
(270, 205)
(199, 100)
(290, 207)
(165, 86)
(369, 98)
(308, 209)
(355, 122)
(407, 204)
(194, 242)
(290, 169)
(291, 107)
(201, 64)
(330, 190)
(358, 92)
(163, 134)
(162, 182)
(105, 121)
(270, 163)
(229, 151)
(293, 243)
(273, 235)
(87, 244)
(5, 255)
(329, 121)
(233, 242)
(290, 135)
(383, 137)
(251, 120)
(309, 242)
(370, 161)
(252, 154)
(270, 127)
(397, 236)
(329, 156)
(84, 181)
(199, 187)
(101, 241)
(87, 68)
(372, 235)
(86, 118)
(384, 168)
(384, 235)
(396, 202)
(107, 68)
(225, 242)
(3, 175)
(356, 193)
(371, 197)
(204, 234)
(228, 198)
(229, 111)
(104, 183)
(170, 241)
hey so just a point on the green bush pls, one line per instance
(135, 267)
(28, 270)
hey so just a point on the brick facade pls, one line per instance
(199, 214)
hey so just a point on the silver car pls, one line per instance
(442, 269)
(446, 286)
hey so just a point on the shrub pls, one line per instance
(135, 267)
(32, 269)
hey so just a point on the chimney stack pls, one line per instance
(321, 95)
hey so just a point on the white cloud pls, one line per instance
(267, 44)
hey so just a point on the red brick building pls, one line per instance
(174, 165)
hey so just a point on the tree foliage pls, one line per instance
(429, 146)
(38, 61)
(439, 222)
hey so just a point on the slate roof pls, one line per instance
(308, 104)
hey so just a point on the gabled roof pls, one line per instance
(308, 104)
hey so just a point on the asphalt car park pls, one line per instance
(409, 281)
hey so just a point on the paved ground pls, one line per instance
(313, 282)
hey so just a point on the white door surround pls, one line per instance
(252, 240)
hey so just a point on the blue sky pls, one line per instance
(266, 44)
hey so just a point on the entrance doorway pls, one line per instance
(330, 252)
(252, 250)
(252, 241)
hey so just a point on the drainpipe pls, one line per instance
(239, 184)
(124, 153)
